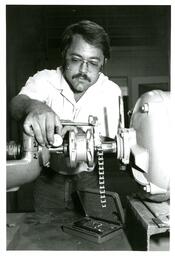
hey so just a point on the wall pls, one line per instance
(129, 63)
(138, 61)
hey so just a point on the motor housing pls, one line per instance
(151, 120)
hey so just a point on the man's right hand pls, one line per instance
(41, 122)
(39, 119)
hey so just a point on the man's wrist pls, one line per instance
(34, 105)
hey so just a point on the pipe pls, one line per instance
(26, 169)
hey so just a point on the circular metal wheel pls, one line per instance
(81, 148)
(90, 148)
(72, 149)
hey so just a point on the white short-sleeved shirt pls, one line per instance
(100, 100)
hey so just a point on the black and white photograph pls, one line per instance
(88, 127)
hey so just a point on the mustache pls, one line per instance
(84, 76)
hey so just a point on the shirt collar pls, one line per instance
(65, 89)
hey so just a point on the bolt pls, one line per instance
(92, 120)
(47, 165)
(145, 108)
(147, 188)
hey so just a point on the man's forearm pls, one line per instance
(21, 105)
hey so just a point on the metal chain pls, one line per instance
(101, 177)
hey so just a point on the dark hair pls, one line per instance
(91, 32)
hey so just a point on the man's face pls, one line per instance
(83, 64)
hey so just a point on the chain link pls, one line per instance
(101, 177)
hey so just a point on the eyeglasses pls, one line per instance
(92, 65)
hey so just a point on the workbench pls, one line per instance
(28, 231)
(147, 224)
(143, 230)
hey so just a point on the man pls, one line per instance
(71, 92)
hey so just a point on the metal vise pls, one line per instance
(30, 157)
